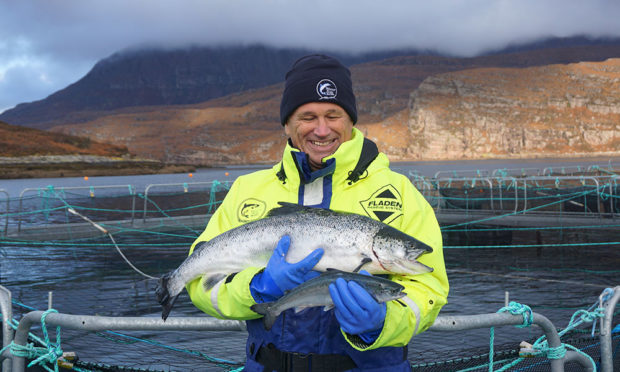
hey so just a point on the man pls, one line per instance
(327, 163)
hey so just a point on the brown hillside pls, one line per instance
(244, 127)
(21, 141)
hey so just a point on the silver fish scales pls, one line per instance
(349, 240)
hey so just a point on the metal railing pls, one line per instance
(587, 196)
(441, 324)
(7, 211)
(175, 186)
(91, 191)
(127, 207)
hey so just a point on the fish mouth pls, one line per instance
(412, 267)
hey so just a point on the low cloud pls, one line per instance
(46, 45)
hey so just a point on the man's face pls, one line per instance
(318, 129)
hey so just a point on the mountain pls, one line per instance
(413, 107)
(158, 77)
(158, 118)
(165, 77)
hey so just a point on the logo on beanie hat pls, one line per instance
(326, 89)
(301, 85)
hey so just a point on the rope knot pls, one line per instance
(516, 308)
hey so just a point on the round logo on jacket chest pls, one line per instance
(251, 209)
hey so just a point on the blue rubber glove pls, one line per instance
(280, 276)
(356, 310)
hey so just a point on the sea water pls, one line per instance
(91, 278)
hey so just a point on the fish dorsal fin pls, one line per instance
(287, 208)
(292, 208)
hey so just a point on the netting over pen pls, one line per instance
(549, 239)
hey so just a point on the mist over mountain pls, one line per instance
(154, 77)
(163, 77)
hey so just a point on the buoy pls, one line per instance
(85, 178)
(226, 174)
(191, 175)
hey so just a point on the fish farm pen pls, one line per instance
(533, 258)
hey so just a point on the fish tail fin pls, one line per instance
(266, 310)
(164, 297)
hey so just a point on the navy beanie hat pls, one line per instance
(317, 78)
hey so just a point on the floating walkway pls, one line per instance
(503, 198)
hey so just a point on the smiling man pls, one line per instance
(318, 129)
(327, 163)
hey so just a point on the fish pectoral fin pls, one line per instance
(211, 280)
(301, 308)
(365, 260)
(328, 307)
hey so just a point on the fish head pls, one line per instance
(388, 291)
(398, 252)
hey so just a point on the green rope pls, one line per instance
(541, 346)
(515, 309)
(53, 349)
(41, 356)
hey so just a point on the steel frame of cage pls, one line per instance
(14, 363)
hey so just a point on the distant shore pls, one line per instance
(83, 165)
(54, 166)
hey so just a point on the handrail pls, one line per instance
(607, 363)
(457, 173)
(100, 323)
(467, 322)
(472, 179)
(38, 189)
(7, 331)
(520, 172)
(185, 186)
(442, 323)
(6, 216)
(562, 178)
(500, 181)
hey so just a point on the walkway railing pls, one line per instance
(442, 324)
(585, 196)
(560, 197)
(6, 214)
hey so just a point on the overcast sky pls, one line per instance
(46, 45)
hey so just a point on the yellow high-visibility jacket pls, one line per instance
(361, 183)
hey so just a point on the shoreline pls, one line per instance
(80, 167)
(55, 166)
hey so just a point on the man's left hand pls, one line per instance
(356, 310)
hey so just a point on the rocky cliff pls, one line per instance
(555, 110)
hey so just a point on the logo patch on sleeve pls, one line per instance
(385, 204)
(251, 209)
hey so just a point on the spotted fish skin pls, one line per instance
(348, 240)
(315, 292)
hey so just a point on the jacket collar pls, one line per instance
(347, 164)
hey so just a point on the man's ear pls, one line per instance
(286, 129)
